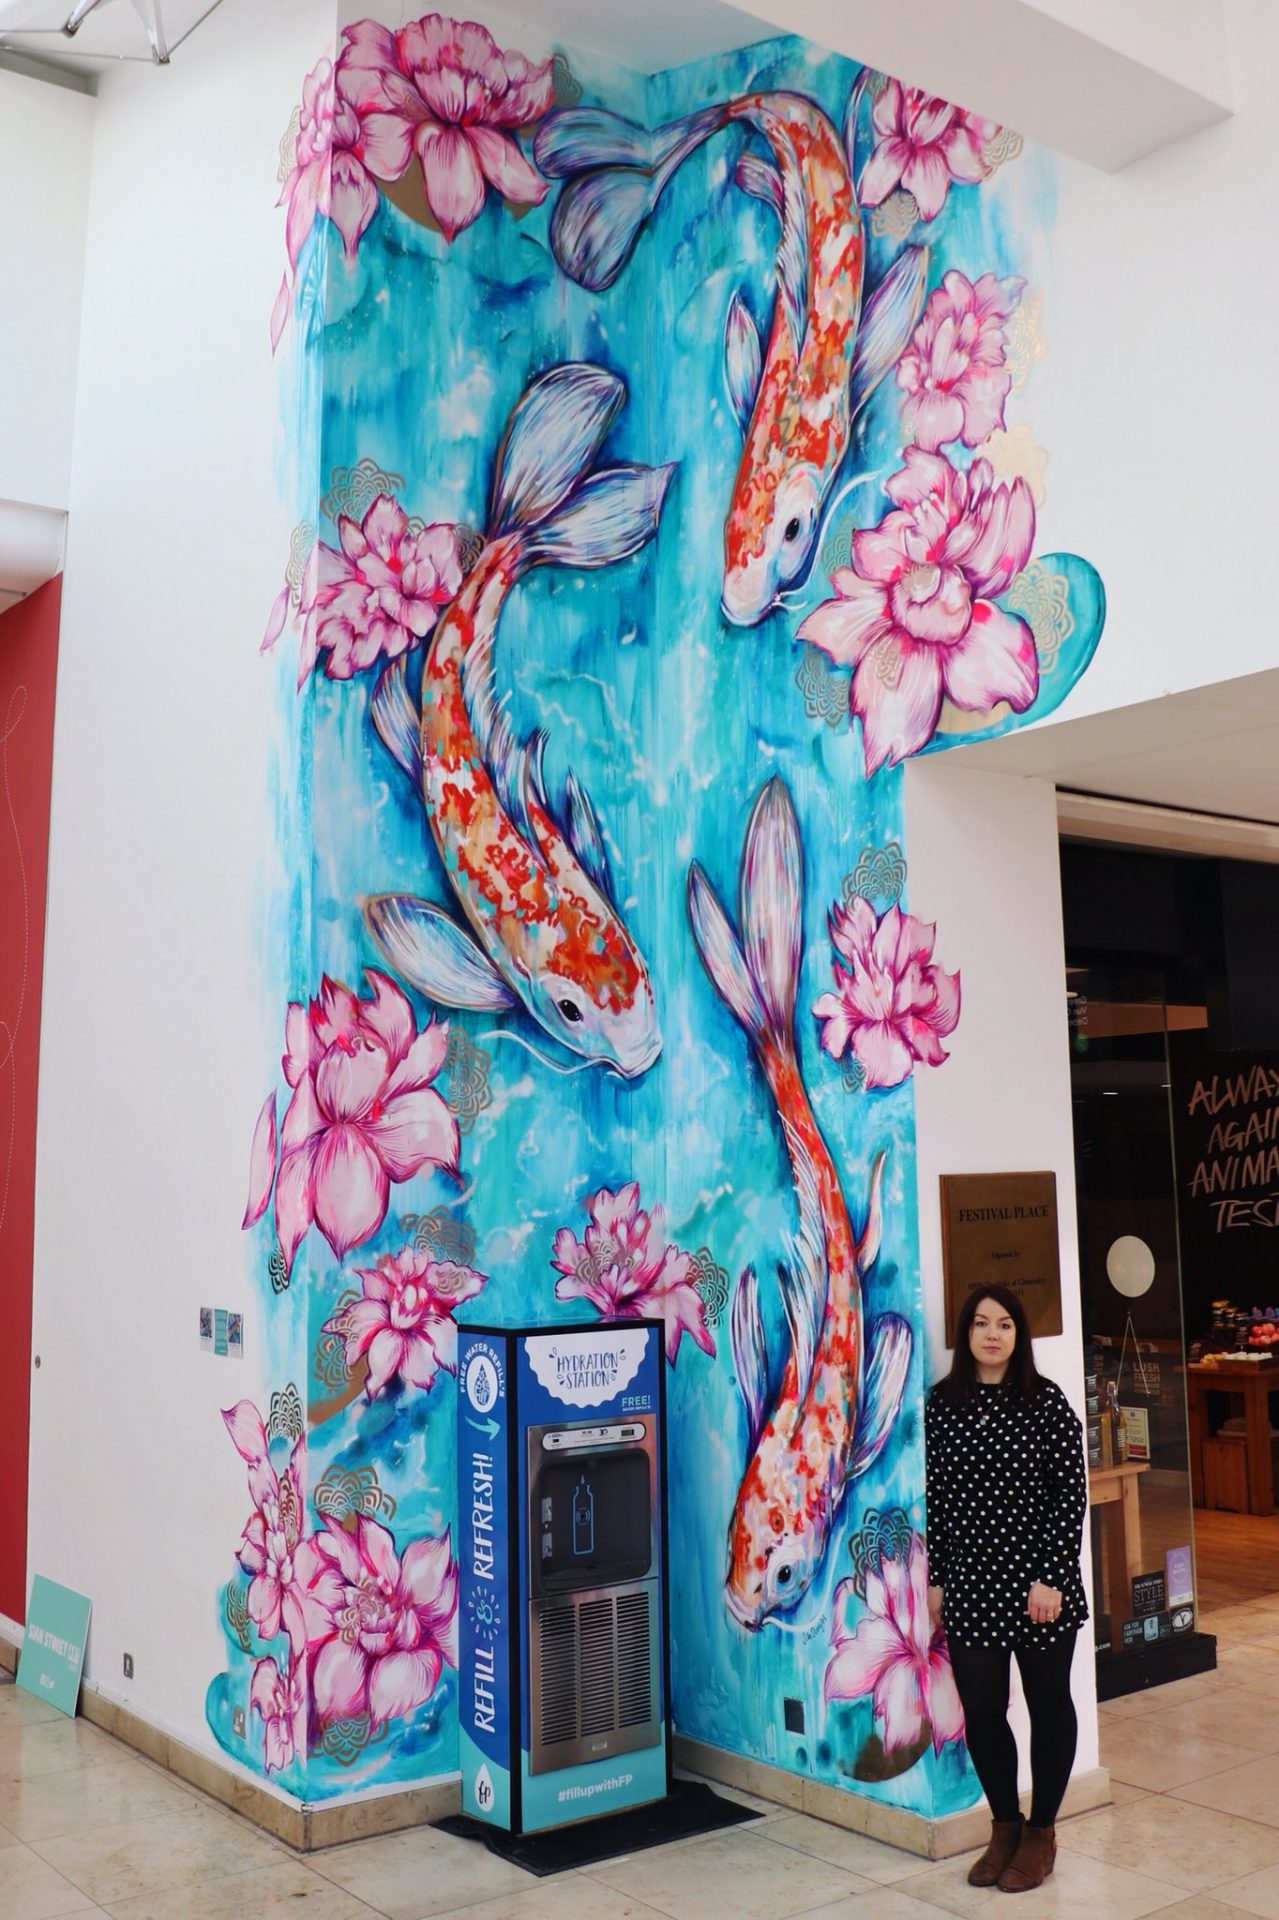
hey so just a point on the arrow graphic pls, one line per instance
(490, 1427)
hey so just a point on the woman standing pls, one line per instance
(1007, 1495)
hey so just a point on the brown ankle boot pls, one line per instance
(1005, 1838)
(1033, 1861)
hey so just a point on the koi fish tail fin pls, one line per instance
(888, 1350)
(398, 723)
(616, 172)
(750, 1354)
(543, 489)
(756, 973)
(887, 322)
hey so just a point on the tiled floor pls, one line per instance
(86, 1827)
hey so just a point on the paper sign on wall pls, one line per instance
(52, 1656)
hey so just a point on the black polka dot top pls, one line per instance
(1007, 1496)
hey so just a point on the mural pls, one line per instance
(659, 493)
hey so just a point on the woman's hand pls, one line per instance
(1043, 1604)
(934, 1607)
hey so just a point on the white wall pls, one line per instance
(1154, 399)
(984, 865)
(157, 1046)
(46, 141)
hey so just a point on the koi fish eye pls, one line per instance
(571, 1011)
(783, 1576)
(791, 534)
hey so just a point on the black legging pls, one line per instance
(982, 1675)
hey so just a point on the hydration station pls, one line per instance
(563, 1665)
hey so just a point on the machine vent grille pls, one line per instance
(559, 1674)
(634, 1675)
(597, 1675)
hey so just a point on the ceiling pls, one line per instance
(1103, 83)
(1212, 750)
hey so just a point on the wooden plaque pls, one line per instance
(1002, 1228)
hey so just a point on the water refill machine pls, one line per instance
(561, 1532)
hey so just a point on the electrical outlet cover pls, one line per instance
(128, 1666)
(238, 1724)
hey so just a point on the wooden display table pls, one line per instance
(1115, 1488)
(1253, 1382)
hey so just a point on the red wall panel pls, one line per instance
(28, 672)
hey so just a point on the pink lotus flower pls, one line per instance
(954, 369)
(272, 1536)
(280, 1699)
(405, 1321)
(391, 1627)
(376, 596)
(915, 614)
(443, 89)
(630, 1271)
(892, 1005)
(363, 1114)
(923, 145)
(895, 1656)
(262, 1157)
(329, 177)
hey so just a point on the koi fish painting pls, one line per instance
(797, 398)
(842, 1383)
(536, 895)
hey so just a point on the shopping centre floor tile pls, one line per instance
(852, 1852)
(1081, 1888)
(156, 1852)
(267, 1893)
(738, 1872)
(421, 1873)
(89, 1830)
(1252, 1790)
(30, 1889)
(1193, 1847)
(1136, 1751)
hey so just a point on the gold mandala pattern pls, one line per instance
(345, 1740)
(880, 874)
(352, 490)
(470, 545)
(284, 1422)
(853, 1073)
(893, 218)
(1016, 455)
(1042, 598)
(235, 1610)
(711, 1282)
(289, 146)
(1003, 146)
(344, 1492)
(301, 546)
(825, 691)
(837, 550)
(441, 1235)
(466, 1068)
(330, 1348)
(1025, 341)
(568, 88)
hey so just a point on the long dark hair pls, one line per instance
(1023, 1378)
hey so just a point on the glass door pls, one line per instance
(1144, 1597)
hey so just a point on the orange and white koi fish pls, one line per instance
(841, 1386)
(797, 400)
(542, 930)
